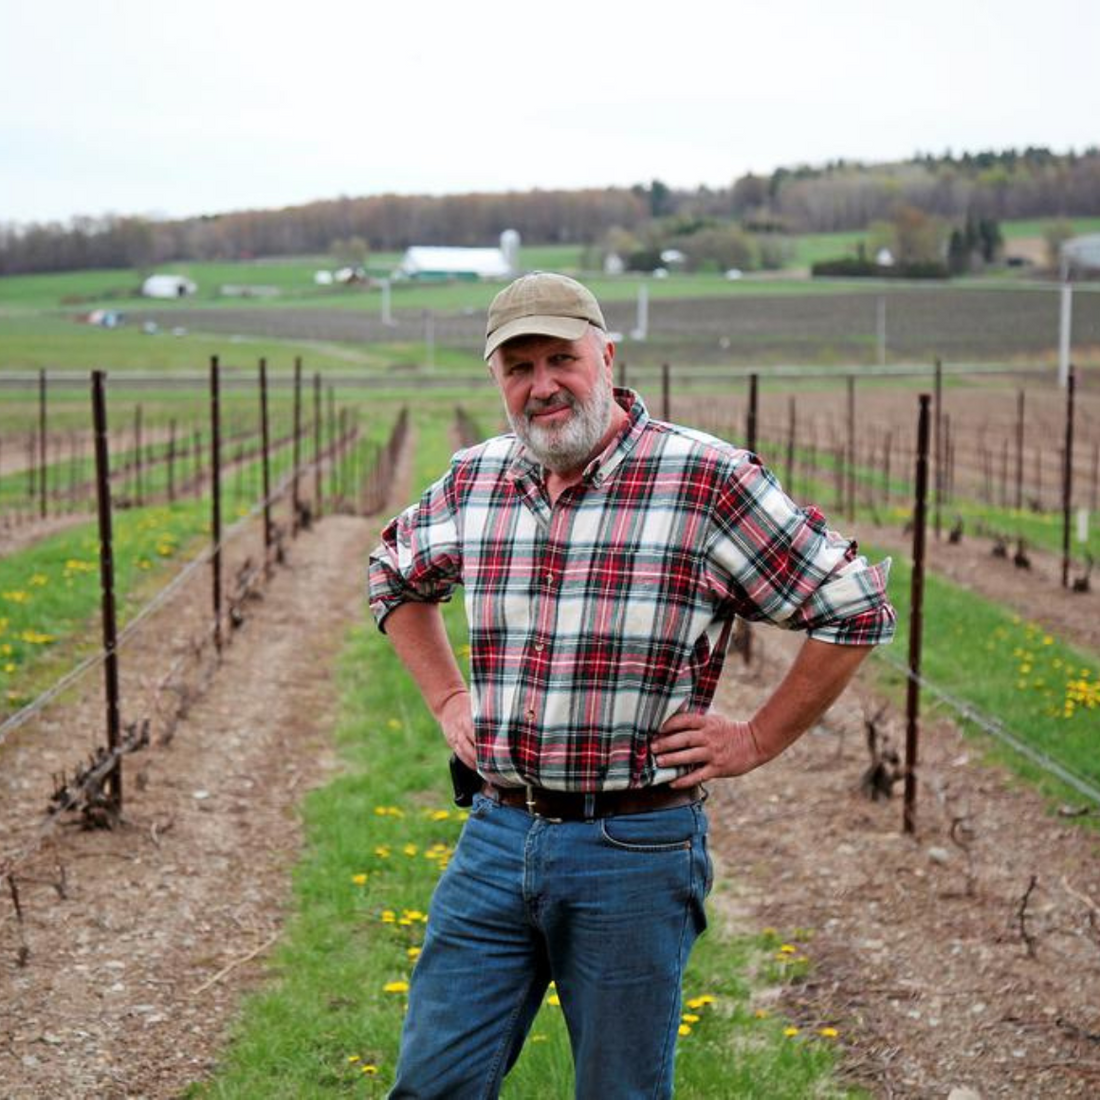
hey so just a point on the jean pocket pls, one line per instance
(658, 831)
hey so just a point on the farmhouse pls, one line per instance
(423, 262)
(1083, 253)
(168, 286)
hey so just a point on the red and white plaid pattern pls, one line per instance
(595, 620)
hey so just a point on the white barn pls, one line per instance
(431, 262)
(167, 286)
(1083, 252)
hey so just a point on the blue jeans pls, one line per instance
(608, 909)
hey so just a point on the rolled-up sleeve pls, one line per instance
(775, 561)
(419, 558)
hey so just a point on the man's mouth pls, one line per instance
(549, 413)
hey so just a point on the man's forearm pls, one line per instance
(420, 639)
(820, 672)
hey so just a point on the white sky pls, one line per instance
(196, 106)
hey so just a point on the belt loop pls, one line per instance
(589, 806)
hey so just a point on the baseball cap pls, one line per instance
(541, 304)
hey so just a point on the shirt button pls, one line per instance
(539, 647)
(549, 578)
(530, 713)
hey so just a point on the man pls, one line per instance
(604, 557)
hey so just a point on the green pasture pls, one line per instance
(1036, 227)
(31, 343)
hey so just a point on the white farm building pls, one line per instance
(1083, 253)
(167, 286)
(430, 262)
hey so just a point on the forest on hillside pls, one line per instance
(840, 195)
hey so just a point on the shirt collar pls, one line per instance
(608, 460)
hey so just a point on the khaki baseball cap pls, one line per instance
(541, 304)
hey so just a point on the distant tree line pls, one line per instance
(723, 226)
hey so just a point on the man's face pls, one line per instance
(557, 394)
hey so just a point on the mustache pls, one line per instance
(549, 404)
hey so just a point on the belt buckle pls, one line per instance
(529, 798)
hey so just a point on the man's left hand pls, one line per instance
(711, 745)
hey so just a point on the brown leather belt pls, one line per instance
(574, 806)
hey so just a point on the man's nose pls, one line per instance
(543, 382)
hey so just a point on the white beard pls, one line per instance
(566, 447)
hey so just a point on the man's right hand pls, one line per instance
(457, 722)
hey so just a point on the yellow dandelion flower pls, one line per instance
(441, 815)
(396, 987)
(1048, 640)
(354, 1058)
(410, 850)
(394, 724)
(690, 1018)
(788, 949)
(370, 1069)
(382, 851)
(683, 1029)
(413, 953)
(828, 1032)
(359, 879)
(388, 916)
(761, 1013)
(9, 667)
(701, 1002)
(790, 1032)
(39, 580)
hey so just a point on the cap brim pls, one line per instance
(565, 328)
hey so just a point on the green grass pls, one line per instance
(39, 342)
(50, 592)
(1040, 688)
(1035, 227)
(811, 247)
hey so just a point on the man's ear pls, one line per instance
(609, 359)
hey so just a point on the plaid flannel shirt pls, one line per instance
(595, 619)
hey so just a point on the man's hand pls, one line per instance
(457, 722)
(714, 746)
(711, 745)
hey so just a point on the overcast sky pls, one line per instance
(198, 106)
